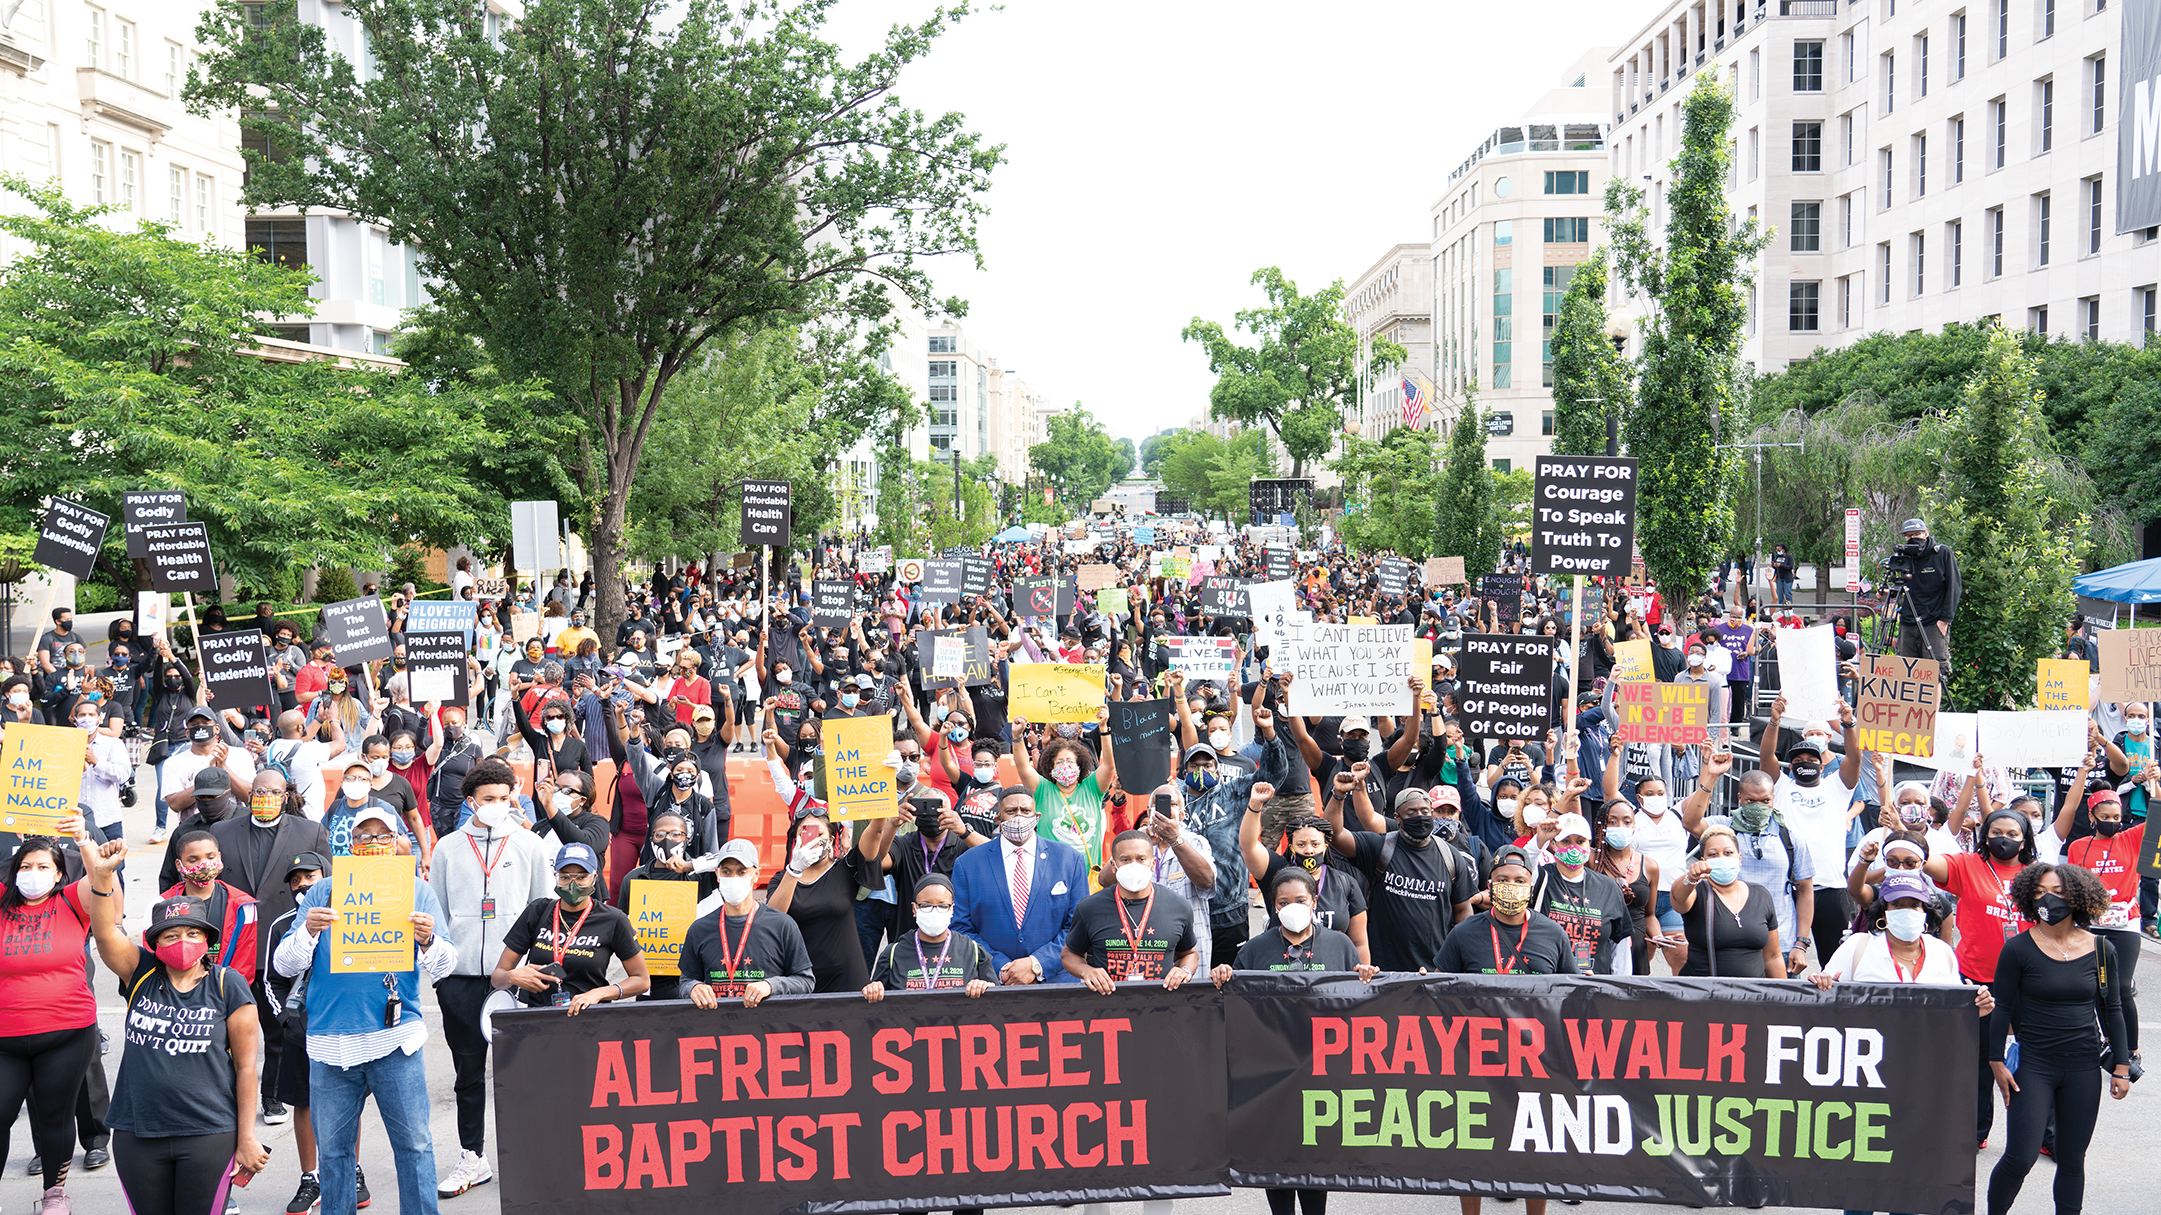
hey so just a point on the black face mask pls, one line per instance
(2004, 847)
(2105, 830)
(1355, 750)
(200, 734)
(685, 780)
(927, 824)
(1417, 828)
(1807, 773)
(215, 809)
(2052, 909)
(1448, 828)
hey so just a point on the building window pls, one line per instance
(2093, 215)
(1804, 234)
(2003, 28)
(1887, 179)
(1504, 287)
(1501, 465)
(2041, 216)
(1920, 66)
(1955, 236)
(1545, 423)
(2002, 112)
(2098, 74)
(1920, 166)
(1845, 302)
(941, 345)
(1808, 66)
(1755, 153)
(2091, 306)
(1883, 268)
(175, 69)
(1755, 75)
(131, 164)
(1578, 182)
(176, 194)
(93, 37)
(1890, 82)
(1845, 134)
(1995, 242)
(100, 180)
(1958, 149)
(1845, 221)
(1958, 46)
(2048, 115)
(1556, 283)
(1802, 302)
(1567, 231)
(202, 202)
(124, 49)
(1504, 232)
(1920, 264)
(281, 242)
(2149, 297)
(944, 369)
(1846, 48)
(2037, 320)
(1808, 147)
(944, 394)
(2048, 18)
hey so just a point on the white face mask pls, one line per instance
(1533, 815)
(1506, 805)
(1906, 923)
(2136, 725)
(492, 814)
(376, 767)
(734, 890)
(35, 883)
(1695, 660)
(986, 773)
(1219, 739)
(1295, 917)
(355, 789)
(1654, 803)
(933, 921)
(1134, 877)
(86, 723)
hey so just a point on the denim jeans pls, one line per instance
(400, 1084)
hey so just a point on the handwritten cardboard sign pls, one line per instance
(41, 775)
(1896, 711)
(1057, 691)
(1651, 712)
(1097, 577)
(1344, 669)
(2130, 665)
(2043, 738)
(661, 913)
(858, 785)
(1141, 734)
(1444, 571)
(373, 899)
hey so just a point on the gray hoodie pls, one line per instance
(523, 870)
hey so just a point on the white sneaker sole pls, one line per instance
(440, 1192)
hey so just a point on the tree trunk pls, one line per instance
(607, 538)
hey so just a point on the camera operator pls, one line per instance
(1931, 595)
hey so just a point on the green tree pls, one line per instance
(125, 364)
(1696, 281)
(1214, 473)
(1077, 455)
(1127, 457)
(1153, 449)
(1468, 511)
(1590, 378)
(1993, 505)
(1391, 492)
(1301, 372)
(609, 186)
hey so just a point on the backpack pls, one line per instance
(283, 766)
(1448, 854)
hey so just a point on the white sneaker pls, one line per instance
(472, 1170)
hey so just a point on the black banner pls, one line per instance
(236, 666)
(976, 575)
(69, 537)
(1169, 504)
(357, 631)
(179, 556)
(941, 581)
(1224, 597)
(1583, 514)
(1270, 497)
(768, 518)
(150, 508)
(979, 666)
(1694, 1092)
(1282, 563)
(1394, 575)
(433, 657)
(834, 1104)
(832, 603)
(1141, 730)
(1504, 592)
(1504, 685)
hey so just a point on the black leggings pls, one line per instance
(1281, 1201)
(1984, 1117)
(51, 1065)
(2071, 1090)
(175, 1174)
(2126, 941)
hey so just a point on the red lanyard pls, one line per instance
(561, 943)
(1133, 934)
(487, 864)
(1900, 971)
(1522, 936)
(734, 960)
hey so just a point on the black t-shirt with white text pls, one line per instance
(1413, 902)
(774, 952)
(914, 964)
(1164, 929)
(1325, 949)
(1593, 912)
(586, 948)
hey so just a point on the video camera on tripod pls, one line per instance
(1897, 569)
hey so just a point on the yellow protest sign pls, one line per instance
(41, 772)
(373, 897)
(1365, 620)
(857, 783)
(1056, 691)
(1632, 660)
(1677, 714)
(660, 913)
(1177, 567)
(2062, 684)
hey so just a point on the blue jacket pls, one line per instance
(983, 907)
(353, 1004)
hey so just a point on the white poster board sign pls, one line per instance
(2039, 738)
(1345, 669)
(1808, 674)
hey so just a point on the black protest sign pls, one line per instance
(179, 556)
(1504, 684)
(69, 537)
(832, 603)
(768, 517)
(977, 664)
(1141, 730)
(150, 508)
(1394, 576)
(1224, 597)
(1036, 596)
(1594, 605)
(976, 574)
(1583, 514)
(1504, 592)
(357, 631)
(833, 1103)
(959, 552)
(236, 666)
(435, 666)
(942, 581)
(1690, 1092)
(1282, 563)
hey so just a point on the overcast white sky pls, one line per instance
(1160, 153)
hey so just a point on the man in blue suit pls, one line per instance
(1017, 896)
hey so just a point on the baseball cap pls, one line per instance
(377, 812)
(1512, 855)
(577, 854)
(1201, 749)
(739, 849)
(1913, 525)
(179, 912)
(1411, 799)
(865, 682)
(202, 712)
(212, 781)
(1355, 723)
(1572, 824)
(1807, 743)
(307, 860)
(704, 711)
(1446, 795)
(1905, 884)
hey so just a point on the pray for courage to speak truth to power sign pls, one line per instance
(1583, 514)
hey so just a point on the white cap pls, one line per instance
(742, 850)
(377, 811)
(1572, 824)
(1356, 723)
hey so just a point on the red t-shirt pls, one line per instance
(1986, 917)
(43, 984)
(2115, 862)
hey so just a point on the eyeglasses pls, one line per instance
(669, 837)
(374, 837)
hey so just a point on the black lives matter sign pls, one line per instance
(1583, 514)
(767, 516)
(1504, 685)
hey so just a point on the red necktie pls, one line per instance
(1020, 886)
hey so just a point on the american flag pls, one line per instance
(1414, 400)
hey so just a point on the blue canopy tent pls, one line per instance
(2134, 583)
(1014, 535)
